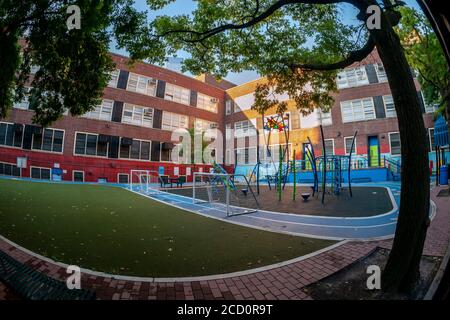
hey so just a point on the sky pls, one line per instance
(187, 6)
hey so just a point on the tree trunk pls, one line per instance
(9, 62)
(402, 269)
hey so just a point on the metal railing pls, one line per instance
(394, 167)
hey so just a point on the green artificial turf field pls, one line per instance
(113, 230)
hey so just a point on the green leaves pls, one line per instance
(424, 54)
(74, 65)
(267, 36)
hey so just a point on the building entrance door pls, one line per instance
(374, 151)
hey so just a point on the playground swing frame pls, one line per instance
(336, 159)
(283, 155)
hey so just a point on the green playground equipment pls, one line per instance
(278, 123)
(328, 169)
(217, 168)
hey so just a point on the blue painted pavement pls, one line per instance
(338, 228)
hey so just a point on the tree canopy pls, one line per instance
(425, 55)
(285, 41)
(74, 65)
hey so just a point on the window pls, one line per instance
(357, 110)
(246, 156)
(352, 77)
(138, 150)
(123, 178)
(431, 108)
(34, 69)
(102, 112)
(135, 150)
(203, 125)
(389, 106)
(80, 143)
(11, 134)
(9, 169)
(207, 103)
(244, 128)
(329, 146)
(114, 78)
(141, 116)
(40, 173)
(58, 137)
(395, 143)
(172, 121)
(102, 147)
(48, 140)
(272, 152)
(24, 104)
(348, 144)
(177, 94)
(228, 132)
(431, 136)
(90, 145)
(228, 157)
(78, 176)
(166, 151)
(228, 107)
(316, 118)
(325, 118)
(381, 73)
(142, 84)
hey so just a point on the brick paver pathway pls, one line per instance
(284, 282)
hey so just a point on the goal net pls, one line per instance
(228, 193)
(144, 181)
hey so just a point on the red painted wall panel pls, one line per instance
(93, 168)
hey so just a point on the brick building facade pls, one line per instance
(144, 103)
(363, 104)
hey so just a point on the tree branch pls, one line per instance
(257, 18)
(353, 57)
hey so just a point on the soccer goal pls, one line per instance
(229, 193)
(144, 181)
